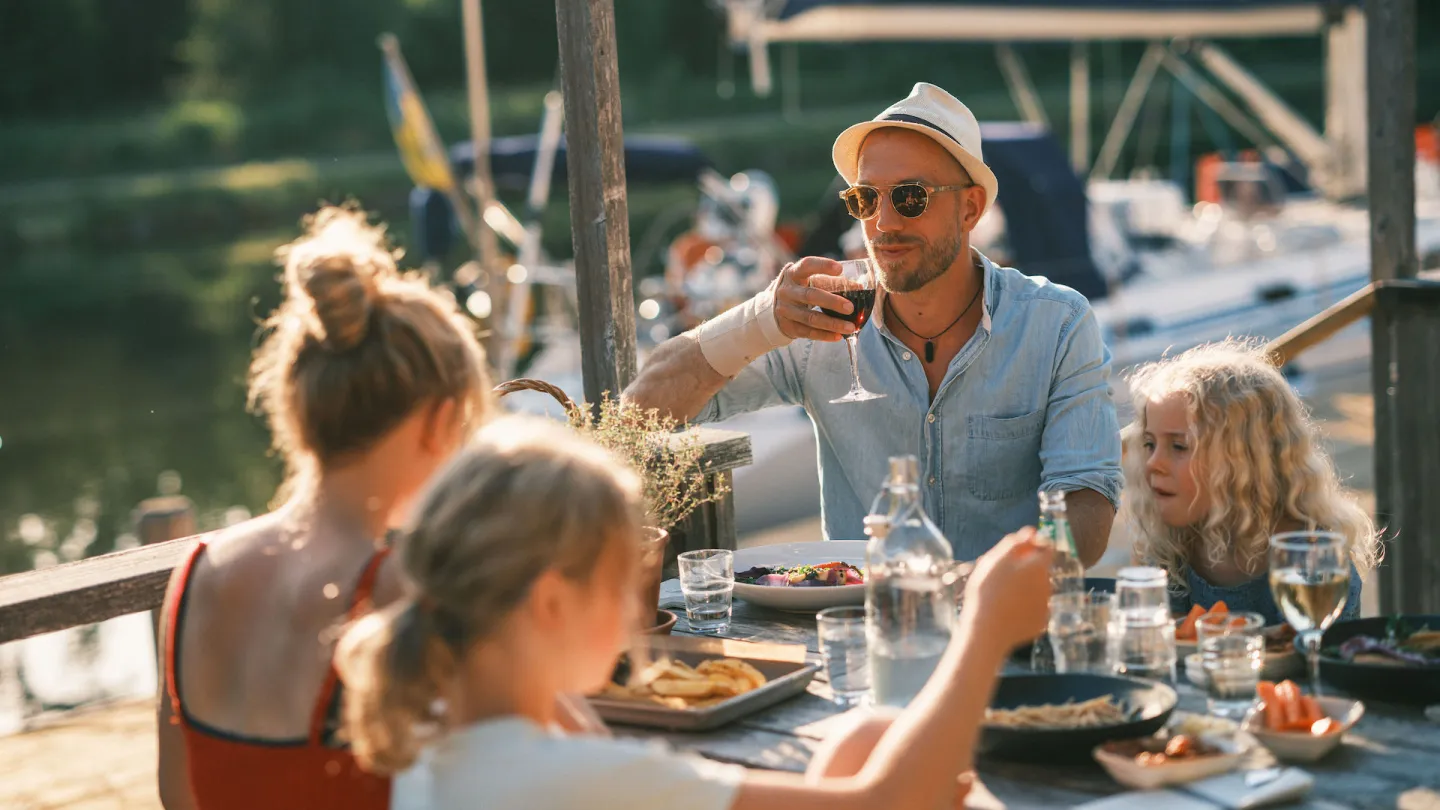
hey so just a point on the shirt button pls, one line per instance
(905, 356)
(932, 480)
(930, 418)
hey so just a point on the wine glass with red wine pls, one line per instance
(856, 284)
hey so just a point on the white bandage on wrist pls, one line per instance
(733, 339)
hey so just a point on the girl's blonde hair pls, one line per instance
(356, 346)
(524, 497)
(1255, 451)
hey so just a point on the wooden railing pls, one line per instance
(124, 582)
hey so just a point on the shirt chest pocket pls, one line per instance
(1003, 458)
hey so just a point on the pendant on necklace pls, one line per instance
(929, 351)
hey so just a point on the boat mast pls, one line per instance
(500, 343)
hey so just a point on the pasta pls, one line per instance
(1100, 711)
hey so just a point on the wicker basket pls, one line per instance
(526, 384)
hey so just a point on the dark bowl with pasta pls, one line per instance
(1062, 717)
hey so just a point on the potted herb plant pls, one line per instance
(667, 461)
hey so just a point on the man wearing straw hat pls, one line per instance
(996, 381)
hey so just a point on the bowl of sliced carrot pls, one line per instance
(1282, 660)
(1300, 728)
(1187, 635)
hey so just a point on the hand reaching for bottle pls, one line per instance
(1009, 590)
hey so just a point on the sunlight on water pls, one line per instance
(109, 661)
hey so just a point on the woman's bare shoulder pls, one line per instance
(235, 554)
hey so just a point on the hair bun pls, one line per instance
(333, 272)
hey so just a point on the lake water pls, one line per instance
(121, 377)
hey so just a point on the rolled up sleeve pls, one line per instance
(773, 379)
(1080, 448)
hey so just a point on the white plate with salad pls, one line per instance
(802, 577)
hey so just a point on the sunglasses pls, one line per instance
(910, 199)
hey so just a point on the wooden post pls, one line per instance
(1080, 107)
(1390, 88)
(501, 345)
(712, 525)
(158, 520)
(599, 216)
(1407, 443)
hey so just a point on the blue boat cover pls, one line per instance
(648, 159)
(1046, 211)
(795, 7)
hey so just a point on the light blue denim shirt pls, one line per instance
(1024, 405)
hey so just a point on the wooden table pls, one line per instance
(1392, 750)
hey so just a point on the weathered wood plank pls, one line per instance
(752, 623)
(1390, 102)
(725, 450)
(753, 748)
(1322, 326)
(599, 215)
(710, 526)
(1406, 356)
(87, 591)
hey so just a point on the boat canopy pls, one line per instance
(757, 23)
(1047, 221)
(648, 159)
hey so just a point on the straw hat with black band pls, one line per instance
(935, 114)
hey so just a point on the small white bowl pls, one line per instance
(1302, 746)
(1131, 774)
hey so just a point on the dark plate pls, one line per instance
(1148, 702)
(1397, 684)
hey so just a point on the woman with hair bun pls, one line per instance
(369, 380)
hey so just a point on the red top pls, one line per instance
(230, 772)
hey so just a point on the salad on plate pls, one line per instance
(803, 576)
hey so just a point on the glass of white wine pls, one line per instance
(1310, 578)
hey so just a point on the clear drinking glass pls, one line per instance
(1079, 631)
(1310, 579)
(1232, 653)
(707, 578)
(1142, 636)
(844, 652)
(856, 284)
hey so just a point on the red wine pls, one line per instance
(862, 300)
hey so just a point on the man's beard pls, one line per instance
(933, 261)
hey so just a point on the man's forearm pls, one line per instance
(1091, 516)
(677, 380)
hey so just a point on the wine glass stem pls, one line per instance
(855, 386)
(1312, 658)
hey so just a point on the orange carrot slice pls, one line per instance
(1186, 630)
(1310, 711)
(1274, 717)
(1289, 696)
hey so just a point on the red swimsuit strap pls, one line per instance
(172, 625)
(358, 607)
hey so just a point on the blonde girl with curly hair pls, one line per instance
(1222, 455)
(520, 574)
